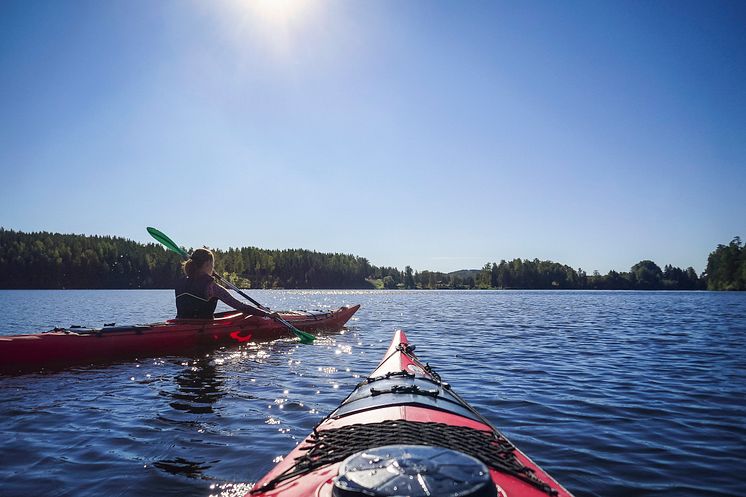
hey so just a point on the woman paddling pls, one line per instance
(197, 295)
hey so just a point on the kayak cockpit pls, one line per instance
(218, 318)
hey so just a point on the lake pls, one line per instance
(613, 393)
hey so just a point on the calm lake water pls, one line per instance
(613, 393)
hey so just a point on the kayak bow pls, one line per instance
(405, 432)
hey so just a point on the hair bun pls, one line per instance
(196, 260)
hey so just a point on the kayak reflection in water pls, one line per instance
(197, 295)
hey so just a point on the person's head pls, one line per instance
(201, 261)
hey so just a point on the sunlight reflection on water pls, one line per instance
(589, 384)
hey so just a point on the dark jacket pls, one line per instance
(192, 301)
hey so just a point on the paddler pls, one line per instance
(197, 295)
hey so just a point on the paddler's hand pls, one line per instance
(273, 315)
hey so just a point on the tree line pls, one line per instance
(52, 260)
(726, 267)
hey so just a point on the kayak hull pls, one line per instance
(80, 346)
(403, 402)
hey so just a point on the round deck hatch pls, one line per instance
(413, 471)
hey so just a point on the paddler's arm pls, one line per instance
(220, 293)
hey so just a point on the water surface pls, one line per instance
(613, 393)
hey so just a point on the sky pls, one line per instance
(441, 135)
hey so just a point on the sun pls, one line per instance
(279, 22)
(278, 11)
(279, 27)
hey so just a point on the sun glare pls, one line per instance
(279, 23)
(278, 11)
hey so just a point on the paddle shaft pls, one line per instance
(235, 288)
(299, 333)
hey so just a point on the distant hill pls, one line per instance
(464, 273)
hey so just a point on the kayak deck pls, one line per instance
(80, 345)
(403, 405)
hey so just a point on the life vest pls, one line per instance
(191, 298)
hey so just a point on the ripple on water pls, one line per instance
(614, 393)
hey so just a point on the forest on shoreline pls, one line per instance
(43, 260)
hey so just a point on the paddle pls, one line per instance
(171, 245)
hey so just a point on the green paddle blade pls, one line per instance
(167, 242)
(304, 337)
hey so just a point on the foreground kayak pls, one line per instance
(405, 432)
(79, 346)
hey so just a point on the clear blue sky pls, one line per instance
(437, 134)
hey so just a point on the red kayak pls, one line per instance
(79, 346)
(405, 432)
